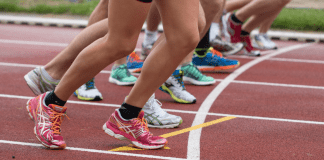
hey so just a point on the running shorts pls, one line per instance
(145, 1)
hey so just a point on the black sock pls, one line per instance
(203, 45)
(244, 33)
(234, 18)
(51, 98)
(128, 111)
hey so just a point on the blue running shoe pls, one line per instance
(134, 63)
(213, 61)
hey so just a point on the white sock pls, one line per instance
(47, 76)
(214, 31)
(149, 37)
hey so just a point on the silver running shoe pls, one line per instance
(156, 117)
(37, 82)
(174, 86)
(226, 48)
(146, 51)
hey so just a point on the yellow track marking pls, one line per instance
(131, 148)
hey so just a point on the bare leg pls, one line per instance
(119, 42)
(233, 5)
(180, 23)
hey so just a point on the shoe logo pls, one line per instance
(59, 109)
(168, 84)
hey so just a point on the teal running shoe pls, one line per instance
(194, 76)
(121, 76)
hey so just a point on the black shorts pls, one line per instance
(145, 1)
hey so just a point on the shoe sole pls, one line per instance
(122, 138)
(97, 98)
(220, 68)
(115, 81)
(233, 51)
(135, 70)
(166, 90)
(198, 83)
(165, 126)
(27, 108)
(53, 147)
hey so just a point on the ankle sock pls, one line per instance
(128, 111)
(234, 18)
(149, 37)
(51, 98)
(244, 33)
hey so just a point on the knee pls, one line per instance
(121, 46)
(187, 41)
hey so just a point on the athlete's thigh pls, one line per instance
(178, 15)
(126, 17)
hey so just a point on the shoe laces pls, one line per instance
(143, 123)
(90, 84)
(156, 106)
(56, 118)
(179, 79)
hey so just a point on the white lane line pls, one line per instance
(37, 43)
(297, 60)
(93, 150)
(178, 111)
(193, 149)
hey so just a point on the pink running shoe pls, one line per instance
(234, 30)
(48, 120)
(134, 130)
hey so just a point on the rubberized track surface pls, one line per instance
(270, 107)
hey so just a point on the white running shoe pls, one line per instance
(88, 92)
(262, 41)
(174, 86)
(270, 44)
(37, 82)
(156, 117)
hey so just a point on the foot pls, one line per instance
(134, 63)
(121, 76)
(213, 61)
(88, 92)
(194, 76)
(156, 117)
(38, 83)
(134, 130)
(174, 86)
(48, 121)
(232, 29)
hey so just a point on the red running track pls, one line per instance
(277, 100)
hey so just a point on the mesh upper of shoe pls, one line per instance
(154, 114)
(89, 90)
(178, 88)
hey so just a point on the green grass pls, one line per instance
(290, 19)
(42, 7)
(300, 19)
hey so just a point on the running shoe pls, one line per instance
(134, 130)
(38, 83)
(194, 76)
(146, 50)
(48, 121)
(134, 63)
(212, 61)
(156, 117)
(88, 92)
(270, 44)
(232, 30)
(248, 49)
(174, 86)
(226, 48)
(121, 76)
(258, 42)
